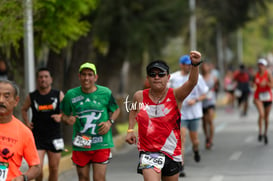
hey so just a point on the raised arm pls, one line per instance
(183, 91)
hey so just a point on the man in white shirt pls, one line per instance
(191, 108)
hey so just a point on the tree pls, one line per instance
(225, 18)
(126, 30)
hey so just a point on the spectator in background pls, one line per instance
(45, 123)
(3, 70)
(263, 98)
(242, 91)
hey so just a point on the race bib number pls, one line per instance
(264, 96)
(152, 160)
(58, 144)
(82, 141)
(3, 171)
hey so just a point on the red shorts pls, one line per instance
(82, 158)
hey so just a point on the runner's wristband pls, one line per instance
(130, 130)
(196, 64)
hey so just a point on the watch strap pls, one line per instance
(111, 121)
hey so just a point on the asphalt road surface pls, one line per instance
(236, 156)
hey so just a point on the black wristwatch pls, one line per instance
(196, 64)
(25, 177)
(111, 121)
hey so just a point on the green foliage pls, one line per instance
(56, 22)
(232, 14)
(138, 26)
(258, 37)
(59, 21)
(11, 24)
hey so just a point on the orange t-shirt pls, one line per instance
(16, 143)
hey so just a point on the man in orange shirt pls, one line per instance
(16, 140)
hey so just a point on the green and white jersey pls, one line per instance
(90, 109)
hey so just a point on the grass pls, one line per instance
(123, 127)
(67, 150)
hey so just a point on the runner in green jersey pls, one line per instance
(91, 109)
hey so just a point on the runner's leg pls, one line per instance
(150, 175)
(99, 171)
(53, 164)
(266, 118)
(83, 172)
(260, 108)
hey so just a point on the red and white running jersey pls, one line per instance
(159, 126)
(263, 93)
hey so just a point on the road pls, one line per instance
(236, 156)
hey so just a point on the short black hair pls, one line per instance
(160, 64)
(43, 69)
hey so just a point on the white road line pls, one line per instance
(217, 178)
(220, 127)
(249, 139)
(235, 155)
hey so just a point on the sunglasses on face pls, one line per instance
(160, 74)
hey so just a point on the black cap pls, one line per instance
(158, 64)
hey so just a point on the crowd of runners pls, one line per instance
(170, 106)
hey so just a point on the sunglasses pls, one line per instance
(160, 74)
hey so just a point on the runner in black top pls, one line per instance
(45, 105)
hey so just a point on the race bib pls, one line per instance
(3, 171)
(264, 96)
(230, 87)
(238, 93)
(58, 144)
(152, 160)
(82, 141)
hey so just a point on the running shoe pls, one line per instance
(260, 137)
(197, 156)
(265, 140)
(208, 144)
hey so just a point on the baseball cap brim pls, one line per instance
(88, 65)
(158, 66)
(262, 61)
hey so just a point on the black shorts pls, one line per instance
(267, 103)
(46, 144)
(243, 97)
(170, 167)
(206, 109)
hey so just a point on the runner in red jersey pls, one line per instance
(263, 97)
(156, 110)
